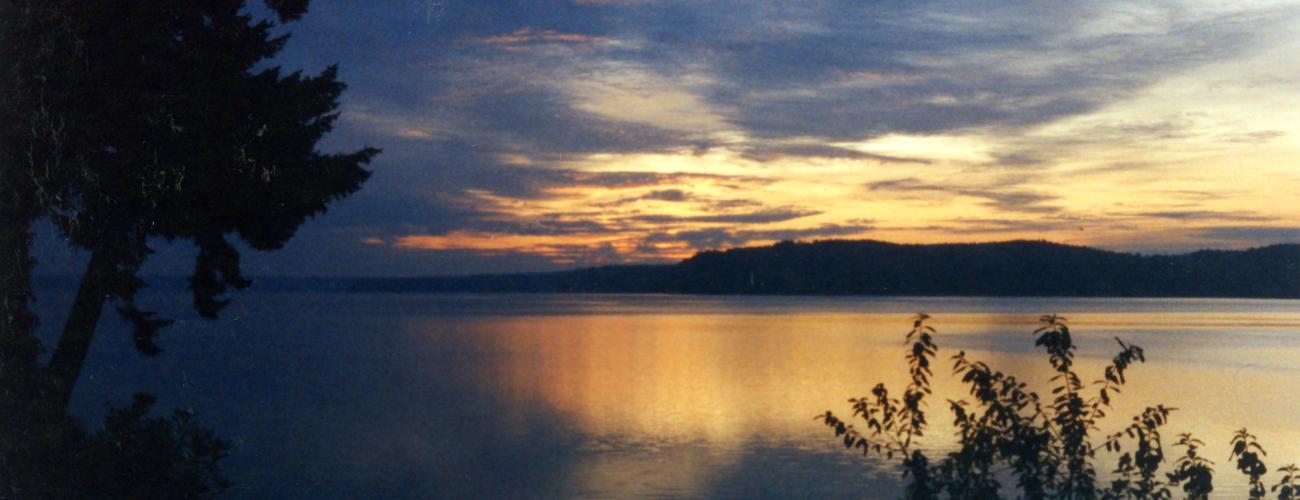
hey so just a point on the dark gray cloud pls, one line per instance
(1257, 137)
(891, 67)
(545, 225)
(670, 195)
(1004, 199)
(665, 195)
(395, 213)
(723, 237)
(823, 69)
(544, 124)
(765, 216)
(1052, 222)
(1256, 235)
(769, 152)
(1194, 195)
(447, 170)
(1201, 215)
(730, 204)
(533, 183)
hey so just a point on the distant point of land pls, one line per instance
(866, 267)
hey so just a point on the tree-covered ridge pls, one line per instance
(840, 267)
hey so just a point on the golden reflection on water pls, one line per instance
(643, 387)
(686, 378)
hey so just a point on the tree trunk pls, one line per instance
(79, 330)
(18, 345)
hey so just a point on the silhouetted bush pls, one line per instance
(1046, 445)
(132, 455)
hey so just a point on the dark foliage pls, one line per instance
(131, 120)
(132, 455)
(1045, 444)
(125, 121)
(1247, 452)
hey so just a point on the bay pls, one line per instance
(330, 395)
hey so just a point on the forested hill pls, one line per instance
(1016, 268)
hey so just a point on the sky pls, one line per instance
(551, 134)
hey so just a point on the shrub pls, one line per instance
(1046, 445)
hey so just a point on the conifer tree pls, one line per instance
(130, 121)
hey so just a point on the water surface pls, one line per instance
(337, 395)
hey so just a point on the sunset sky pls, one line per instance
(547, 134)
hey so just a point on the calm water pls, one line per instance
(332, 395)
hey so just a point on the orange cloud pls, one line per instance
(568, 249)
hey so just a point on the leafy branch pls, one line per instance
(1045, 444)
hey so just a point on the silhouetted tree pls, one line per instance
(126, 121)
(37, 45)
(164, 125)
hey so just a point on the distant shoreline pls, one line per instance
(874, 268)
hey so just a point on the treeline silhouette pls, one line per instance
(1048, 445)
(839, 267)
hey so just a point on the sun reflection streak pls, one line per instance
(664, 381)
